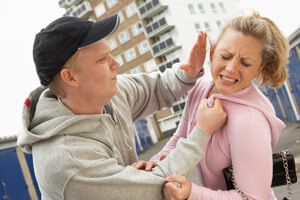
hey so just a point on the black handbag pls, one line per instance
(284, 173)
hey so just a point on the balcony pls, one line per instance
(167, 64)
(151, 8)
(63, 3)
(73, 2)
(83, 10)
(158, 27)
(162, 48)
(70, 10)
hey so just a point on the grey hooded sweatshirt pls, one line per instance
(89, 156)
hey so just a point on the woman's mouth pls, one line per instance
(232, 80)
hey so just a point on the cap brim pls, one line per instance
(101, 29)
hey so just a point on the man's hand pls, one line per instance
(146, 165)
(179, 191)
(210, 119)
(197, 56)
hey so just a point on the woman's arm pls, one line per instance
(203, 121)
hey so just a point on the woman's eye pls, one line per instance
(245, 64)
(226, 57)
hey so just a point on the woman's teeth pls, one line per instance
(228, 79)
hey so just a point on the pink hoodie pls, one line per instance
(245, 142)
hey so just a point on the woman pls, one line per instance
(248, 48)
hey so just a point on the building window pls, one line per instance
(144, 47)
(124, 37)
(178, 107)
(222, 8)
(213, 7)
(150, 66)
(156, 48)
(130, 54)
(119, 59)
(156, 25)
(219, 24)
(136, 70)
(112, 43)
(197, 26)
(207, 26)
(137, 29)
(69, 11)
(191, 9)
(131, 9)
(121, 17)
(99, 10)
(201, 8)
(111, 3)
(169, 64)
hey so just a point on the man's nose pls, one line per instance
(114, 64)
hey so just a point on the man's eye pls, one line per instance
(102, 59)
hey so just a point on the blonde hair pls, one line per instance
(55, 85)
(275, 52)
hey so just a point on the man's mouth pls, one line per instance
(115, 77)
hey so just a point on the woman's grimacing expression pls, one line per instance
(235, 62)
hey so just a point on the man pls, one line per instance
(81, 132)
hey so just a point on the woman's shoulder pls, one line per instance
(245, 122)
(202, 86)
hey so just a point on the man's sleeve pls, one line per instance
(105, 179)
(147, 93)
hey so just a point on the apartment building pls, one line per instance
(153, 35)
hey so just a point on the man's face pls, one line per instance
(98, 73)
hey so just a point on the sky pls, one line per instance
(20, 20)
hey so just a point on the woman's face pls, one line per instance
(236, 61)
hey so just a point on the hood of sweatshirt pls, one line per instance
(52, 119)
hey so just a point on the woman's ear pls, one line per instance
(69, 77)
(259, 71)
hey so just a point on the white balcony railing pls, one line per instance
(73, 2)
(158, 27)
(83, 10)
(150, 8)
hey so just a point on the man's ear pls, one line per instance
(211, 51)
(68, 77)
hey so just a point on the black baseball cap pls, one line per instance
(55, 44)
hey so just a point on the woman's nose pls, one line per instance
(232, 66)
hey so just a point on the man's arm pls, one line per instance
(147, 93)
(106, 179)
